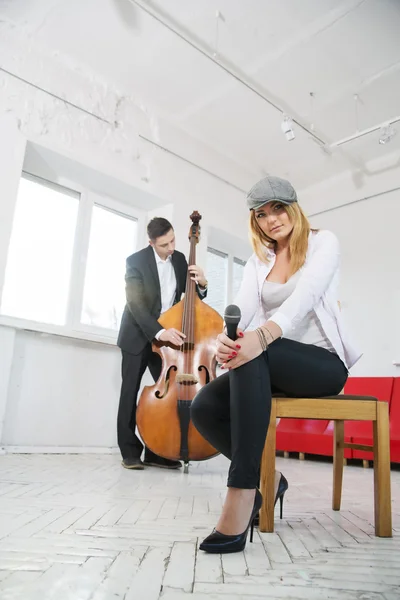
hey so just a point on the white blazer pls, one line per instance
(316, 289)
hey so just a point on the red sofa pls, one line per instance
(365, 437)
(316, 437)
(299, 435)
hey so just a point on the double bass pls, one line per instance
(163, 413)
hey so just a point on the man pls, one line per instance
(155, 280)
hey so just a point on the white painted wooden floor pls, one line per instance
(80, 527)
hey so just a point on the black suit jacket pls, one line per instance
(139, 323)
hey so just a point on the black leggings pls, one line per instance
(232, 412)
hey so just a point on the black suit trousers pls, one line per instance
(133, 368)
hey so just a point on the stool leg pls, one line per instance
(267, 477)
(382, 493)
(338, 457)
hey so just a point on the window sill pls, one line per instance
(46, 330)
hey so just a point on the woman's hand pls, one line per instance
(233, 354)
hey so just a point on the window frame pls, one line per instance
(225, 256)
(88, 198)
(231, 258)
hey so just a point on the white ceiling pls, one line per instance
(284, 48)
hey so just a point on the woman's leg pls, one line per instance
(232, 413)
(303, 370)
(210, 413)
(250, 408)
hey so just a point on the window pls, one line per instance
(237, 275)
(65, 270)
(112, 239)
(40, 254)
(217, 275)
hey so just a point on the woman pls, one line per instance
(300, 348)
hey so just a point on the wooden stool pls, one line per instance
(338, 409)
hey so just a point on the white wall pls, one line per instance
(61, 393)
(368, 230)
(58, 393)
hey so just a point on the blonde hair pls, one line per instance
(298, 243)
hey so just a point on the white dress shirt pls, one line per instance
(316, 289)
(167, 277)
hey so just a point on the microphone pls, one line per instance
(232, 317)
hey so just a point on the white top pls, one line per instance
(309, 330)
(316, 289)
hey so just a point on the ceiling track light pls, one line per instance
(287, 128)
(380, 128)
(386, 133)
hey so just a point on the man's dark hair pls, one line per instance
(158, 227)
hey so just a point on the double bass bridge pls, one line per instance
(186, 379)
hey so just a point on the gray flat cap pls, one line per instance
(271, 189)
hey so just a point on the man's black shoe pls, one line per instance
(133, 463)
(152, 460)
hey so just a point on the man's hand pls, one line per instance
(173, 336)
(197, 274)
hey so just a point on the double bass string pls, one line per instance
(187, 328)
(188, 324)
(190, 308)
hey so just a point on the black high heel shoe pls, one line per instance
(280, 492)
(219, 543)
